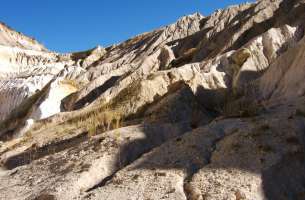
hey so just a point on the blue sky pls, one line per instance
(72, 25)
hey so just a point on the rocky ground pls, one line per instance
(207, 108)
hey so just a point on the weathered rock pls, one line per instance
(9, 37)
(206, 108)
(283, 81)
(101, 157)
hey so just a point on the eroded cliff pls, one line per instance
(207, 108)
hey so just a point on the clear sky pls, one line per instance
(72, 25)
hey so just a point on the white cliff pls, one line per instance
(207, 108)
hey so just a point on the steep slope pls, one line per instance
(11, 38)
(205, 108)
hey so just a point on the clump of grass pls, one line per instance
(266, 148)
(103, 121)
(91, 127)
(92, 121)
(241, 56)
(71, 82)
(236, 146)
(100, 117)
(240, 103)
(241, 108)
(259, 131)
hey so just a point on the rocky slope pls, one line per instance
(207, 108)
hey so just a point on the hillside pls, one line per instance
(207, 108)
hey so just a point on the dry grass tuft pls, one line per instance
(242, 107)
(71, 82)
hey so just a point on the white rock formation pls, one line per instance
(207, 108)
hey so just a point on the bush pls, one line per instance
(242, 108)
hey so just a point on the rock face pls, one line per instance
(207, 108)
(11, 38)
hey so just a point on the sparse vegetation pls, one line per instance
(241, 103)
(240, 108)
(260, 130)
(71, 82)
(300, 112)
(241, 56)
(265, 148)
(236, 146)
(101, 121)
(93, 119)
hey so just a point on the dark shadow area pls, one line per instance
(89, 98)
(155, 135)
(33, 153)
(211, 99)
(101, 184)
(178, 107)
(245, 85)
(45, 196)
(71, 103)
(192, 151)
(186, 48)
(165, 108)
(168, 117)
(286, 179)
(182, 45)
